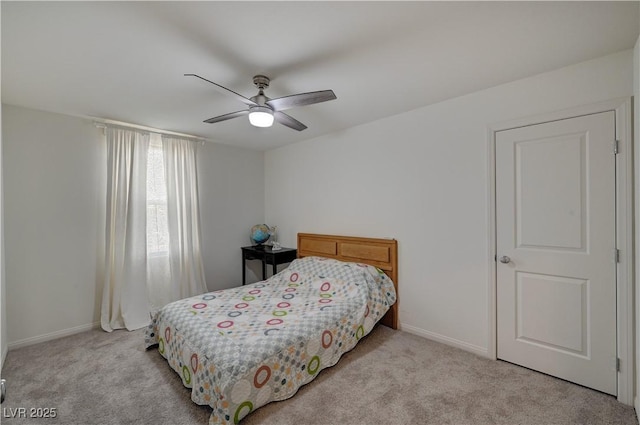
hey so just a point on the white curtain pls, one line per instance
(183, 217)
(124, 300)
(160, 283)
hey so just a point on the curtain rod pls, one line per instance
(103, 123)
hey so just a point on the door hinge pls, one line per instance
(616, 147)
(616, 255)
(617, 364)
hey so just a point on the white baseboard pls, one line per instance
(53, 335)
(476, 349)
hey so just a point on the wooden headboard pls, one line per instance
(381, 253)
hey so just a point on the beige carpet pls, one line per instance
(391, 377)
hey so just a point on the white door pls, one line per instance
(556, 271)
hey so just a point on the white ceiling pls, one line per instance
(125, 61)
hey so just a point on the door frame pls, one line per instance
(624, 226)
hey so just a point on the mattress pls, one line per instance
(241, 348)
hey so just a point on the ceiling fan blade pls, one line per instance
(226, 117)
(239, 97)
(289, 121)
(302, 99)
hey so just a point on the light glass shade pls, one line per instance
(261, 116)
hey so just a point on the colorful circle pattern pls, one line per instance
(262, 376)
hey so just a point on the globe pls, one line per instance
(260, 234)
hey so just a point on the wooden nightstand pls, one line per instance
(265, 254)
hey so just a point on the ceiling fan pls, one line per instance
(263, 111)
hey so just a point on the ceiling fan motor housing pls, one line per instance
(261, 82)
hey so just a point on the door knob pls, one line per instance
(504, 259)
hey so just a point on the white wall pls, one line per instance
(3, 304)
(636, 115)
(422, 177)
(54, 173)
(231, 189)
(54, 182)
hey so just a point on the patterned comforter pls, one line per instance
(241, 348)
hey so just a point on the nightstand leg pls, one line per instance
(275, 268)
(264, 270)
(244, 271)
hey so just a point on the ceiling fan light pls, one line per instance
(261, 116)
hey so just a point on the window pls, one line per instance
(157, 229)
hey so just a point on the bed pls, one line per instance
(241, 348)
